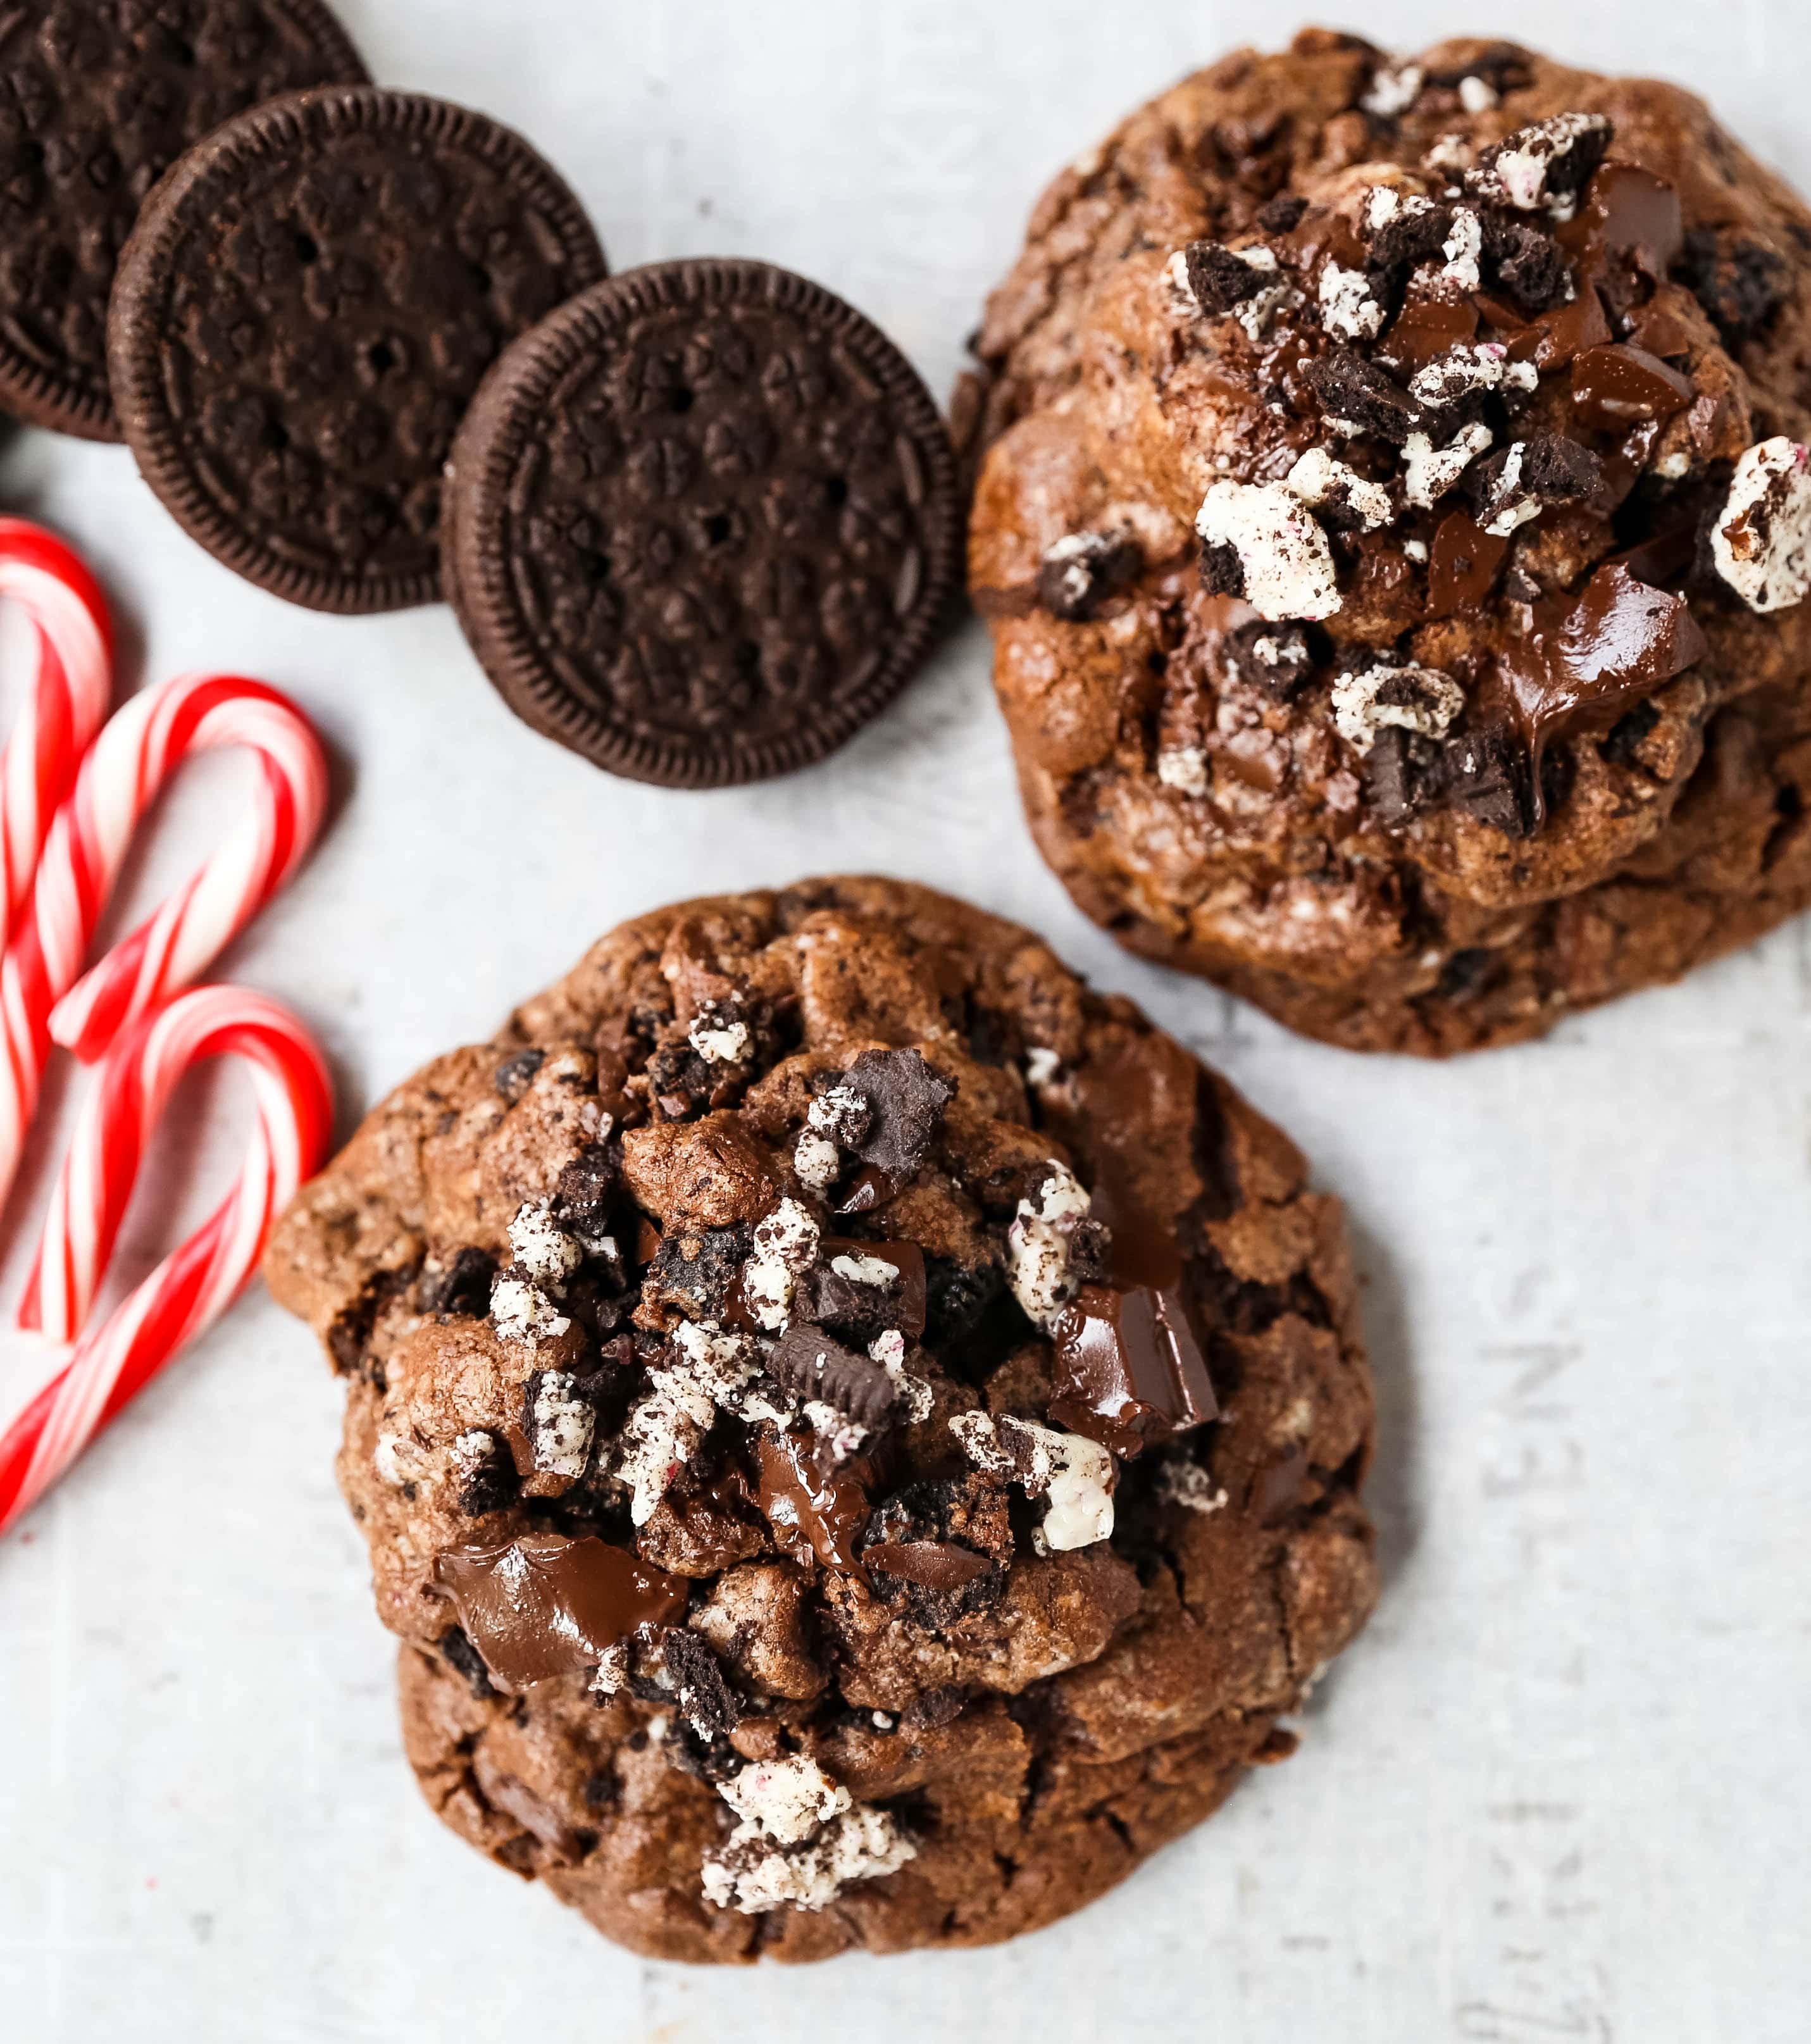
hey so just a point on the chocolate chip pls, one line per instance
(1623, 747)
(1282, 214)
(697, 1273)
(1273, 656)
(814, 1364)
(1740, 282)
(1350, 388)
(1079, 574)
(1401, 775)
(907, 1098)
(458, 1651)
(1222, 572)
(461, 1286)
(1219, 279)
(513, 1077)
(1530, 265)
(1486, 776)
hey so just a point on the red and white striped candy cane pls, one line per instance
(125, 768)
(69, 697)
(190, 1290)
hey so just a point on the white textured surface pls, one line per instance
(1560, 1790)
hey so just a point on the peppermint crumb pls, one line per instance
(1477, 95)
(1184, 768)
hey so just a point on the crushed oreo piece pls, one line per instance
(814, 1364)
(905, 1097)
(586, 1192)
(1355, 391)
(512, 1078)
(1079, 574)
(1274, 656)
(1222, 572)
(487, 1471)
(458, 1653)
(957, 1296)
(559, 1418)
(1220, 279)
(1548, 163)
(1531, 265)
(461, 1286)
(704, 1698)
(926, 1541)
(697, 1273)
(1282, 214)
(1511, 485)
(1741, 283)
(1413, 234)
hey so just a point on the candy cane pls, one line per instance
(190, 1290)
(125, 768)
(69, 698)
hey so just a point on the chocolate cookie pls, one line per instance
(97, 101)
(703, 523)
(841, 1415)
(307, 303)
(1433, 660)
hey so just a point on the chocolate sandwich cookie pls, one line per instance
(858, 1435)
(97, 101)
(309, 301)
(702, 523)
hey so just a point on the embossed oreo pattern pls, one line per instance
(97, 99)
(303, 314)
(702, 523)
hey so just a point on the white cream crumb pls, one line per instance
(1041, 1065)
(612, 1675)
(522, 1311)
(785, 1800)
(1076, 1475)
(398, 1460)
(1037, 1246)
(1462, 247)
(752, 1874)
(1416, 551)
(1349, 306)
(544, 1250)
(1517, 509)
(1671, 466)
(1449, 154)
(1189, 1485)
(1476, 95)
(563, 1426)
(865, 1269)
(816, 1159)
(1431, 471)
(719, 1042)
(1393, 90)
(1761, 541)
(472, 1452)
(785, 1244)
(1286, 562)
(1184, 768)
(843, 1436)
(916, 1397)
(1319, 478)
(1417, 699)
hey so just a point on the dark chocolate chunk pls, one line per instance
(1348, 387)
(934, 1565)
(1282, 214)
(704, 524)
(513, 1076)
(1401, 775)
(1130, 1371)
(944, 1547)
(96, 102)
(854, 1307)
(305, 308)
(458, 1651)
(1222, 572)
(1080, 573)
(1486, 775)
(1220, 280)
(905, 1097)
(1274, 656)
(814, 1366)
(1531, 265)
(1616, 387)
(1741, 282)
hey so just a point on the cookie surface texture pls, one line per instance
(703, 523)
(859, 1437)
(97, 99)
(1395, 522)
(305, 308)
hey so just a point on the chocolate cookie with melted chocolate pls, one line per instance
(1445, 622)
(783, 1483)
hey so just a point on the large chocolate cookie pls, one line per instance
(302, 315)
(1395, 521)
(702, 523)
(860, 1436)
(97, 99)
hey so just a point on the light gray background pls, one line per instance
(1560, 1789)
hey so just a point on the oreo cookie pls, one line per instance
(97, 100)
(703, 523)
(302, 314)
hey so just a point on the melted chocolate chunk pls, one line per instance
(544, 1605)
(1531, 265)
(907, 1097)
(1741, 283)
(1220, 280)
(513, 1077)
(934, 1565)
(1273, 656)
(812, 1365)
(458, 1651)
(461, 1286)
(1616, 387)
(1129, 1372)
(1350, 388)
(1081, 572)
(1463, 568)
(816, 1506)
